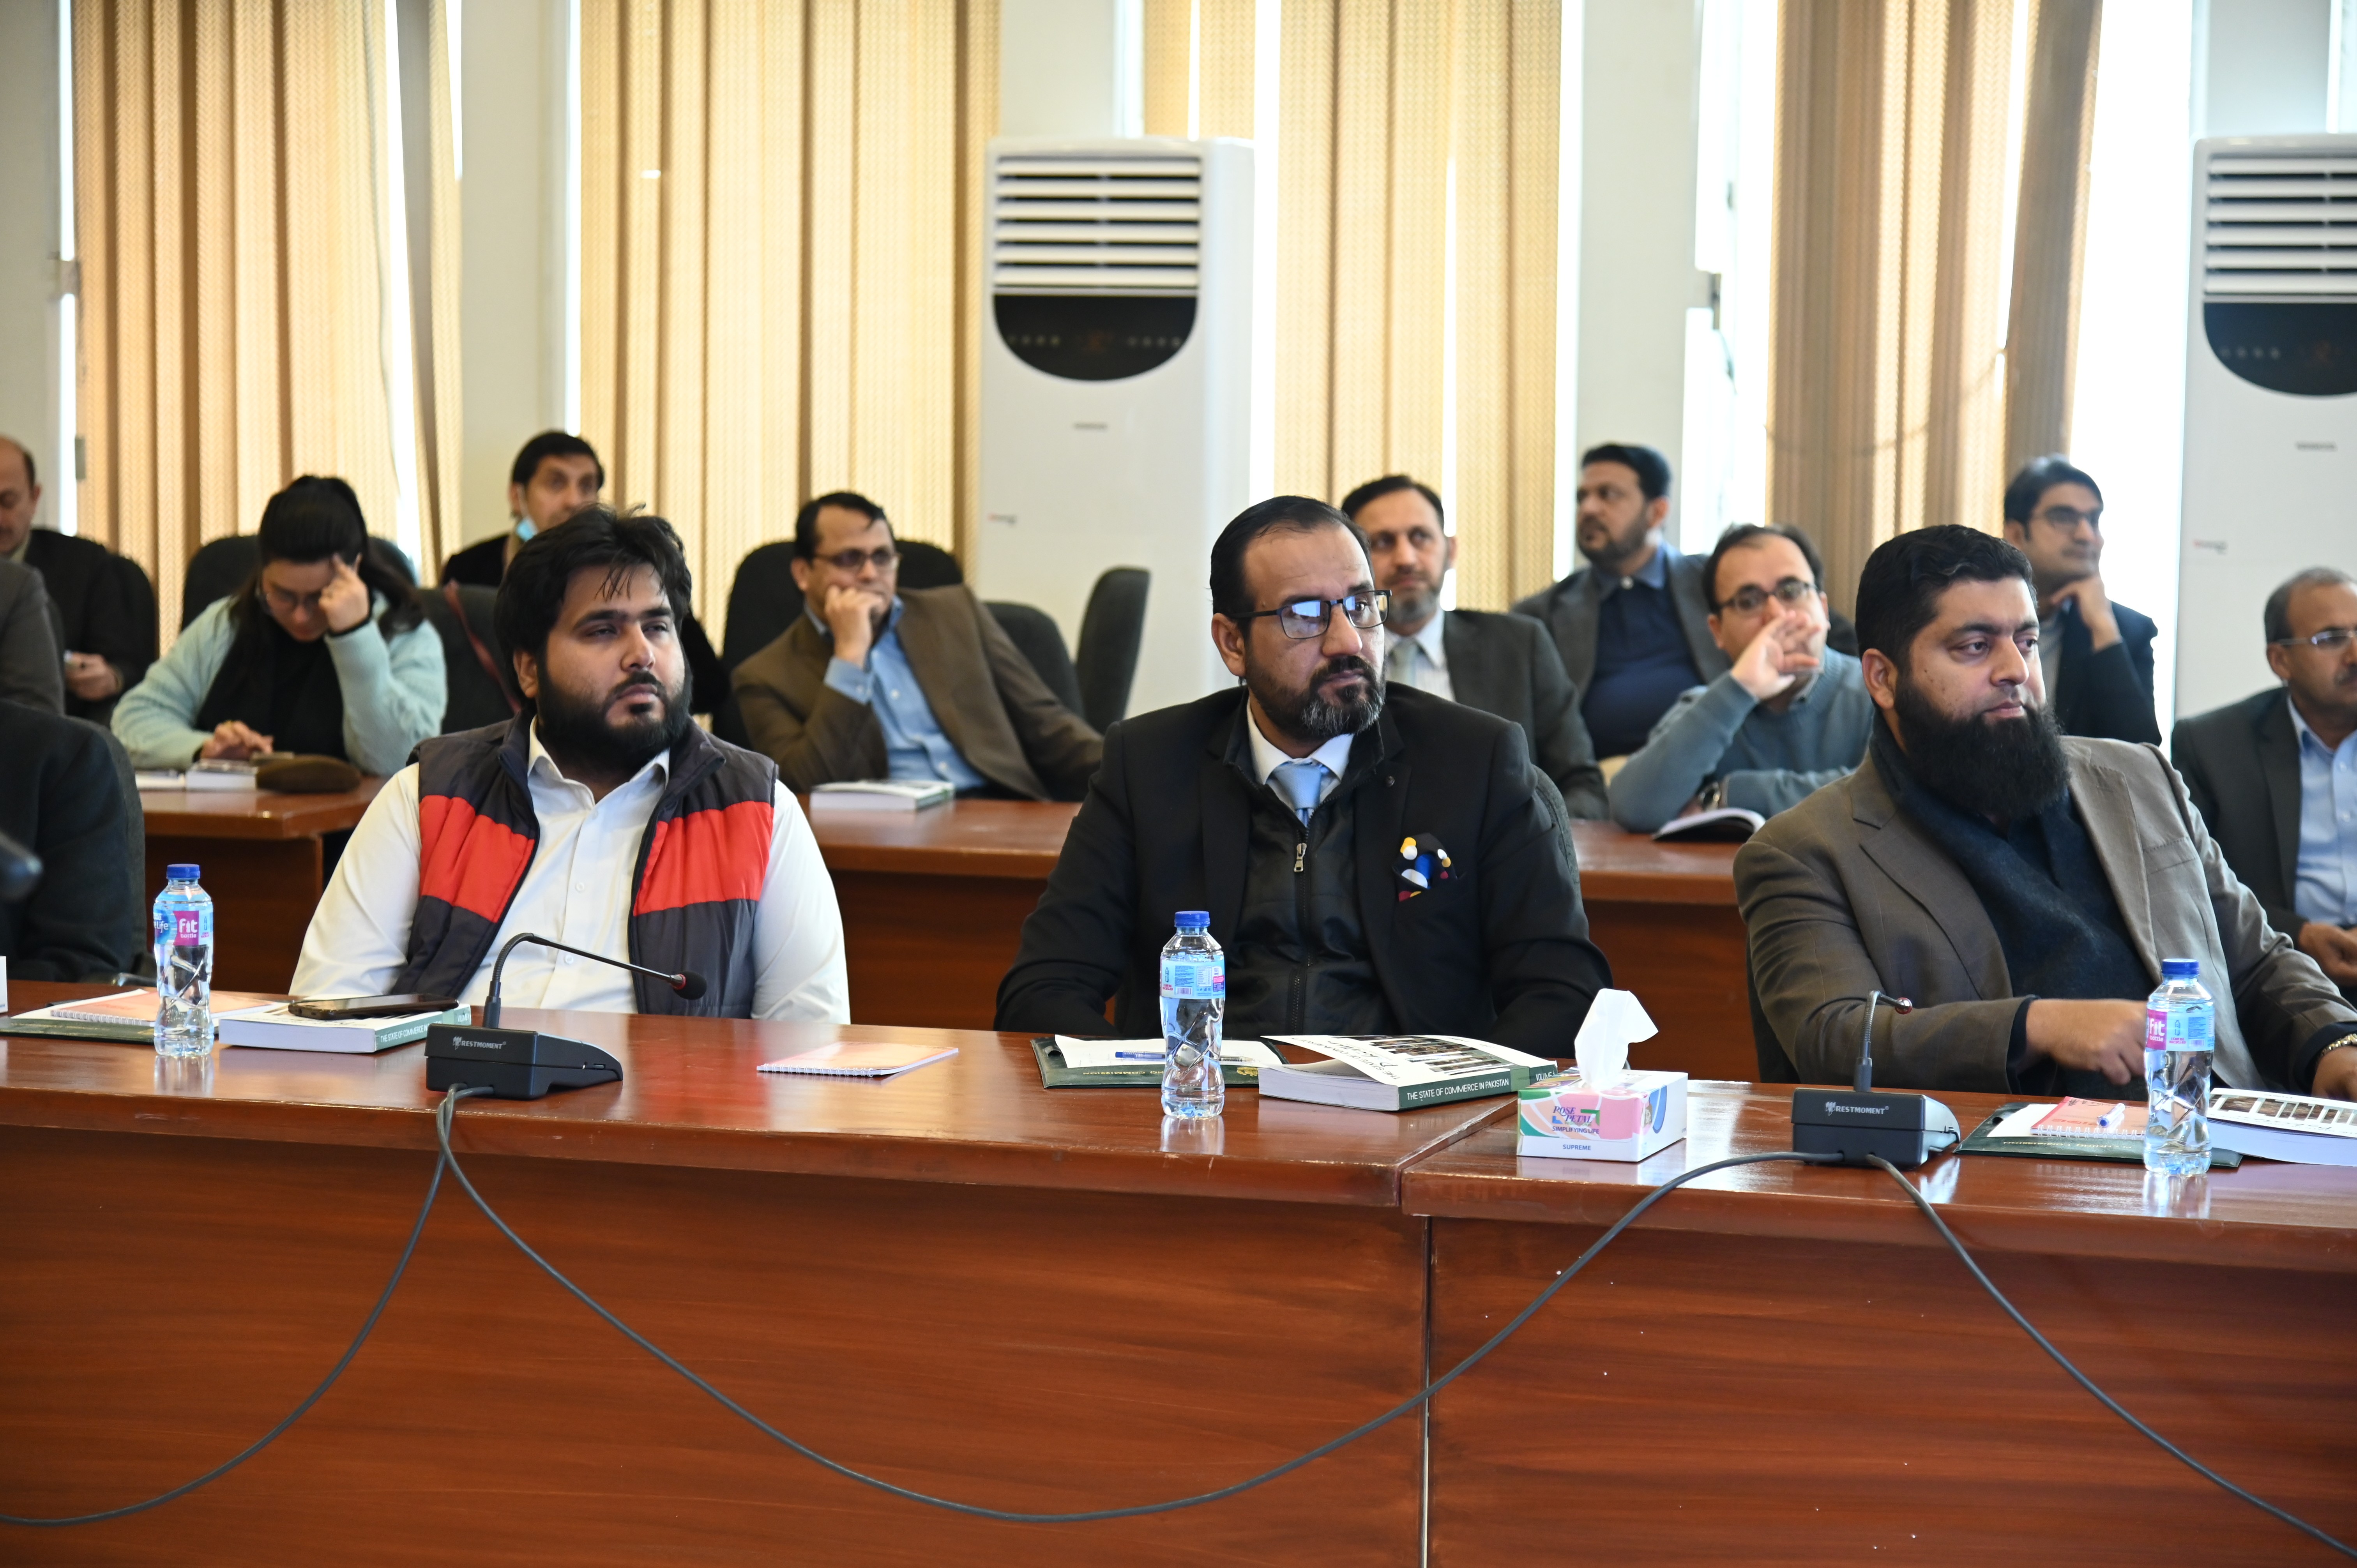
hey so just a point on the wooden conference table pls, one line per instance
(933, 905)
(1039, 1299)
(263, 863)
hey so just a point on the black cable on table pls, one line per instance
(367, 1325)
(2171, 1449)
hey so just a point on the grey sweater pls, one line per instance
(1769, 761)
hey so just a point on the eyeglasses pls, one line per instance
(289, 604)
(2331, 640)
(848, 562)
(2070, 519)
(1791, 591)
(1303, 618)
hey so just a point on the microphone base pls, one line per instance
(1905, 1129)
(513, 1064)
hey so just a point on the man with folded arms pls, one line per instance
(1302, 811)
(101, 602)
(601, 816)
(2021, 887)
(1788, 717)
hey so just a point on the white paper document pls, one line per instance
(1148, 1053)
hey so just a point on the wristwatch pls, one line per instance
(1715, 791)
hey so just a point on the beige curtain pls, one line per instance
(1382, 98)
(780, 259)
(438, 256)
(1889, 405)
(231, 269)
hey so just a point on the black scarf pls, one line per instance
(2045, 892)
(283, 687)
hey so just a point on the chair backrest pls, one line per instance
(218, 569)
(477, 674)
(1112, 629)
(1034, 631)
(135, 843)
(924, 566)
(762, 602)
(1775, 1066)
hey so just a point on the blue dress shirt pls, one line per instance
(2325, 876)
(914, 746)
(1642, 663)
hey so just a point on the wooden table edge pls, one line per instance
(1013, 865)
(2215, 1243)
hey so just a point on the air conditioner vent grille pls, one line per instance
(1095, 225)
(2280, 228)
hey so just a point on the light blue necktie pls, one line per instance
(1298, 782)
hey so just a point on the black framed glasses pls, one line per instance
(849, 562)
(1302, 619)
(2070, 519)
(2331, 640)
(1794, 591)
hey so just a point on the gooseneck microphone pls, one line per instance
(1864, 1080)
(1859, 1125)
(524, 1064)
(689, 984)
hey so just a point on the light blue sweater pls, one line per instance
(395, 691)
(1769, 761)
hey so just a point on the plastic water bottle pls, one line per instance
(2179, 1030)
(1194, 994)
(184, 965)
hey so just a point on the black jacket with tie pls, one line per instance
(1499, 952)
(2240, 765)
(2106, 696)
(1508, 665)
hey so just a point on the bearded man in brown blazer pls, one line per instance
(874, 683)
(2021, 887)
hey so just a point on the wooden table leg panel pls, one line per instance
(1685, 962)
(928, 951)
(169, 1298)
(263, 892)
(1711, 1399)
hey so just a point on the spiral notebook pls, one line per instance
(847, 1059)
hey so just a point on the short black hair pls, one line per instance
(1742, 536)
(315, 517)
(2278, 615)
(1392, 484)
(2038, 476)
(1652, 469)
(1899, 592)
(1278, 514)
(553, 444)
(806, 520)
(32, 473)
(596, 537)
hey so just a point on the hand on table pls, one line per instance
(345, 600)
(2336, 1075)
(2100, 1036)
(92, 677)
(235, 742)
(850, 613)
(1780, 655)
(2334, 950)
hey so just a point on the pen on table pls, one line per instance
(2111, 1118)
(1157, 1056)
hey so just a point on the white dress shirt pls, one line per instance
(1335, 754)
(578, 889)
(1420, 658)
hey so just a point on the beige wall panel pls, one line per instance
(602, 177)
(1484, 519)
(1362, 253)
(1422, 89)
(682, 307)
(833, 217)
(1305, 259)
(1535, 157)
(1169, 49)
(977, 124)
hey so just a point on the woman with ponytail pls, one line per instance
(324, 652)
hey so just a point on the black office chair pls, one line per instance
(762, 602)
(924, 566)
(477, 673)
(1775, 1066)
(1035, 632)
(1112, 629)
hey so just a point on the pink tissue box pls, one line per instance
(1561, 1117)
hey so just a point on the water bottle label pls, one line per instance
(2173, 1031)
(188, 927)
(1195, 979)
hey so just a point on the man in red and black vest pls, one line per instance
(601, 817)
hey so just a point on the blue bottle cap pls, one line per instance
(2180, 969)
(1194, 920)
(182, 873)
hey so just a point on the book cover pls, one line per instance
(274, 1028)
(882, 795)
(2077, 1118)
(1395, 1072)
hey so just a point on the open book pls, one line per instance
(1727, 824)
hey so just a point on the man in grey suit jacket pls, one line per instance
(1633, 625)
(1502, 664)
(32, 656)
(2276, 774)
(2020, 887)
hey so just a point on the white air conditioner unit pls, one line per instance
(1116, 383)
(2270, 397)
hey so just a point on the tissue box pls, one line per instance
(1562, 1118)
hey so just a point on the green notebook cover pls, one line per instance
(1054, 1074)
(2054, 1146)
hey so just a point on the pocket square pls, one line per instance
(1426, 863)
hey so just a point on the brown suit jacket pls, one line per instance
(1844, 894)
(989, 701)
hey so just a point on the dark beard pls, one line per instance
(1303, 714)
(585, 744)
(2000, 768)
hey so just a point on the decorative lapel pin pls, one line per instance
(1427, 863)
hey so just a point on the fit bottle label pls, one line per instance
(2167, 1031)
(1199, 979)
(184, 927)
